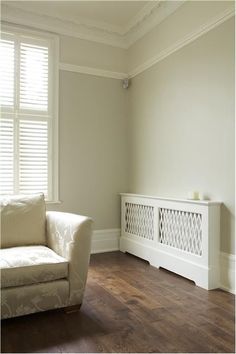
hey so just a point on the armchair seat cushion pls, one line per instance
(30, 265)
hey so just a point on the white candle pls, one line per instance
(193, 195)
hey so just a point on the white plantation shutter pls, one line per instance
(6, 156)
(33, 77)
(7, 57)
(33, 157)
(27, 116)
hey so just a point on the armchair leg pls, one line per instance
(71, 309)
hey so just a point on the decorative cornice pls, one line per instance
(18, 16)
(148, 17)
(141, 16)
(211, 24)
(92, 71)
(200, 31)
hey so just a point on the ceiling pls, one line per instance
(117, 23)
(114, 13)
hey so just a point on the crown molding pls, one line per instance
(141, 15)
(151, 18)
(123, 37)
(89, 32)
(92, 71)
(17, 17)
(104, 26)
(200, 31)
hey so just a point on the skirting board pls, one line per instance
(109, 240)
(105, 241)
(227, 272)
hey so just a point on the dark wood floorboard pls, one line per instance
(130, 306)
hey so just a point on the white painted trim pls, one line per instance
(21, 17)
(221, 18)
(153, 17)
(227, 273)
(55, 147)
(52, 24)
(105, 240)
(200, 31)
(142, 14)
(119, 36)
(188, 201)
(78, 21)
(92, 71)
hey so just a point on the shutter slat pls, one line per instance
(33, 77)
(33, 158)
(6, 156)
(7, 72)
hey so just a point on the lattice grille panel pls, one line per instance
(180, 229)
(139, 220)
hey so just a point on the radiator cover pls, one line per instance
(180, 235)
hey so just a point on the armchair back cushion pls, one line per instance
(23, 220)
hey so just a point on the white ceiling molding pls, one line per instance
(92, 71)
(146, 19)
(18, 16)
(80, 21)
(150, 19)
(200, 31)
(140, 16)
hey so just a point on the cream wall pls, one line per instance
(92, 133)
(92, 147)
(91, 54)
(181, 135)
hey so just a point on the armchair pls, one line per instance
(46, 268)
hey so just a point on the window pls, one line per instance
(28, 121)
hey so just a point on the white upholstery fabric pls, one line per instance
(22, 300)
(30, 265)
(29, 272)
(69, 235)
(23, 220)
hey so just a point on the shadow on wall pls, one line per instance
(226, 231)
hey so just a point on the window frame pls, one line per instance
(53, 100)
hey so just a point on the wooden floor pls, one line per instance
(130, 306)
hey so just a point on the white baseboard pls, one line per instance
(105, 240)
(227, 272)
(109, 240)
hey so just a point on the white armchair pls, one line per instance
(47, 267)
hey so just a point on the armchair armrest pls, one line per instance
(69, 235)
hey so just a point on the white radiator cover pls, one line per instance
(182, 236)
